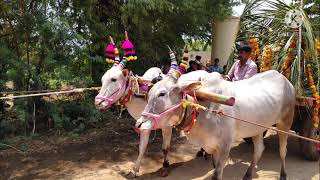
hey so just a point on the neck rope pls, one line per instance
(186, 122)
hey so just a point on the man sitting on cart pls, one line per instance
(243, 68)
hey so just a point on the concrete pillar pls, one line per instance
(223, 38)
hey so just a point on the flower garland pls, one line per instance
(252, 42)
(255, 51)
(286, 67)
(315, 94)
(267, 59)
(318, 45)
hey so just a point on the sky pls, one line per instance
(237, 10)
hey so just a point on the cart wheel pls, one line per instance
(308, 149)
(249, 140)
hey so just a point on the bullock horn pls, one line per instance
(127, 46)
(112, 54)
(213, 97)
(183, 66)
(123, 63)
(174, 63)
(111, 39)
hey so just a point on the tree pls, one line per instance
(49, 44)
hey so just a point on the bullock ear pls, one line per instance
(125, 72)
(192, 86)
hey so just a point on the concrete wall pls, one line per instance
(223, 38)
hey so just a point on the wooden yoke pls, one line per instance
(213, 97)
(208, 96)
(143, 81)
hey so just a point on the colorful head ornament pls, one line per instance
(127, 46)
(173, 60)
(112, 53)
(183, 66)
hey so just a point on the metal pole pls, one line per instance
(299, 88)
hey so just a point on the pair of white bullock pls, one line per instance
(267, 98)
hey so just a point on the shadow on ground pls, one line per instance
(110, 153)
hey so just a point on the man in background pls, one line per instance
(215, 67)
(243, 68)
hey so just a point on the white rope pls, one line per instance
(267, 127)
(27, 92)
(78, 90)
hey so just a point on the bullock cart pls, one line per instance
(304, 125)
(294, 51)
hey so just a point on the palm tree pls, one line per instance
(264, 19)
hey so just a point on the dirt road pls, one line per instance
(110, 154)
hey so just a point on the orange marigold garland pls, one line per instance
(255, 50)
(267, 59)
(252, 42)
(286, 67)
(318, 45)
(315, 94)
(258, 53)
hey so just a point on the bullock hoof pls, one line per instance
(247, 177)
(164, 172)
(283, 177)
(206, 156)
(200, 153)
(131, 175)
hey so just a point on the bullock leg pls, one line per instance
(283, 152)
(285, 125)
(219, 162)
(258, 149)
(200, 152)
(144, 139)
(166, 136)
(203, 153)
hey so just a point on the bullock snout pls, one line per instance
(100, 104)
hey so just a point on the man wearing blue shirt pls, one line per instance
(215, 67)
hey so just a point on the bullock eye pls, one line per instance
(113, 79)
(161, 94)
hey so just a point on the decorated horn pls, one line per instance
(173, 60)
(213, 97)
(112, 53)
(127, 46)
(123, 63)
(183, 66)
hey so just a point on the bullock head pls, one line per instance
(115, 80)
(163, 101)
(164, 95)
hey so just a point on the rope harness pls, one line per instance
(110, 100)
(186, 122)
(128, 87)
(221, 113)
(184, 103)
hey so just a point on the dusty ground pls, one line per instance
(108, 154)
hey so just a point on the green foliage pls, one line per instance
(264, 19)
(52, 44)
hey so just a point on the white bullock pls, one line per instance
(115, 85)
(267, 98)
